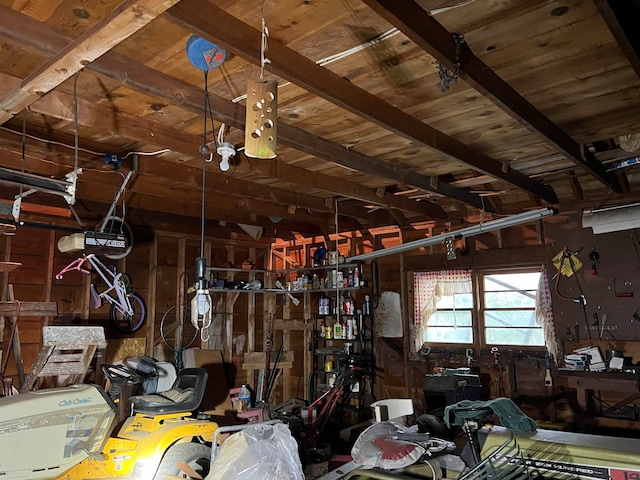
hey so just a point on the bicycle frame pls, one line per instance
(113, 280)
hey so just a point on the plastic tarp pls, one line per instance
(263, 452)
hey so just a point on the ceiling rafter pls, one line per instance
(213, 23)
(263, 200)
(621, 18)
(59, 105)
(424, 30)
(118, 25)
(48, 40)
(339, 186)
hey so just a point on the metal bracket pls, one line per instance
(133, 170)
(65, 188)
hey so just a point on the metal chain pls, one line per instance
(446, 75)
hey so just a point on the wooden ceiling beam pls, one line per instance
(141, 130)
(265, 200)
(60, 105)
(299, 176)
(129, 17)
(428, 34)
(189, 177)
(622, 20)
(148, 193)
(47, 40)
(216, 25)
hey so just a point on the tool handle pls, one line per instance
(548, 380)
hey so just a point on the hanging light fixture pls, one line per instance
(201, 303)
(206, 56)
(226, 150)
(262, 110)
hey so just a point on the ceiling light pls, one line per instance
(612, 219)
(226, 150)
(498, 224)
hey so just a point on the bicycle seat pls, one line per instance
(184, 396)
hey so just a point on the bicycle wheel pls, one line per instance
(130, 323)
(176, 330)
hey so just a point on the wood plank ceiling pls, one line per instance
(396, 112)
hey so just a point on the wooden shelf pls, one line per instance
(8, 266)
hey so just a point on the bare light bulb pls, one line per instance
(226, 150)
(201, 309)
(224, 164)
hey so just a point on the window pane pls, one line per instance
(511, 281)
(459, 300)
(510, 318)
(515, 336)
(450, 318)
(510, 299)
(448, 335)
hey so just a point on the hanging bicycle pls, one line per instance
(128, 311)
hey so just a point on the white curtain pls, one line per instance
(544, 314)
(428, 288)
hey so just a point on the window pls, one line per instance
(452, 320)
(480, 308)
(508, 313)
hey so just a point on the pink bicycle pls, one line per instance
(128, 310)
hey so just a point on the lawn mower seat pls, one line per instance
(184, 396)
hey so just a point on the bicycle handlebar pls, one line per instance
(75, 265)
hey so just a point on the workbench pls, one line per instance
(586, 383)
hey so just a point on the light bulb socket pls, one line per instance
(227, 151)
(201, 273)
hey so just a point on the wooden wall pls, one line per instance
(161, 270)
(158, 269)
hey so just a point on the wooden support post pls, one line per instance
(230, 300)
(151, 303)
(307, 355)
(286, 341)
(46, 290)
(181, 298)
(15, 335)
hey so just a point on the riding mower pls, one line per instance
(71, 433)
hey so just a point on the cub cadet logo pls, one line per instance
(75, 401)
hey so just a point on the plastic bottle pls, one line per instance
(319, 256)
(337, 330)
(244, 397)
(366, 308)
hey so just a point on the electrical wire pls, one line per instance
(581, 300)
(53, 142)
(75, 122)
(204, 152)
(24, 144)
(80, 149)
(148, 154)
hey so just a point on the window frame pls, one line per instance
(477, 312)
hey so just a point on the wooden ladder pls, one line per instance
(69, 363)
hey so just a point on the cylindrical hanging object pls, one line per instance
(262, 112)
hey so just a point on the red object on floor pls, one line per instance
(337, 461)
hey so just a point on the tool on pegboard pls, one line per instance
(548, 379)
(620, 294)
(595, 258)
(568, 336)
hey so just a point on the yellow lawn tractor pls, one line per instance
(70, 433)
